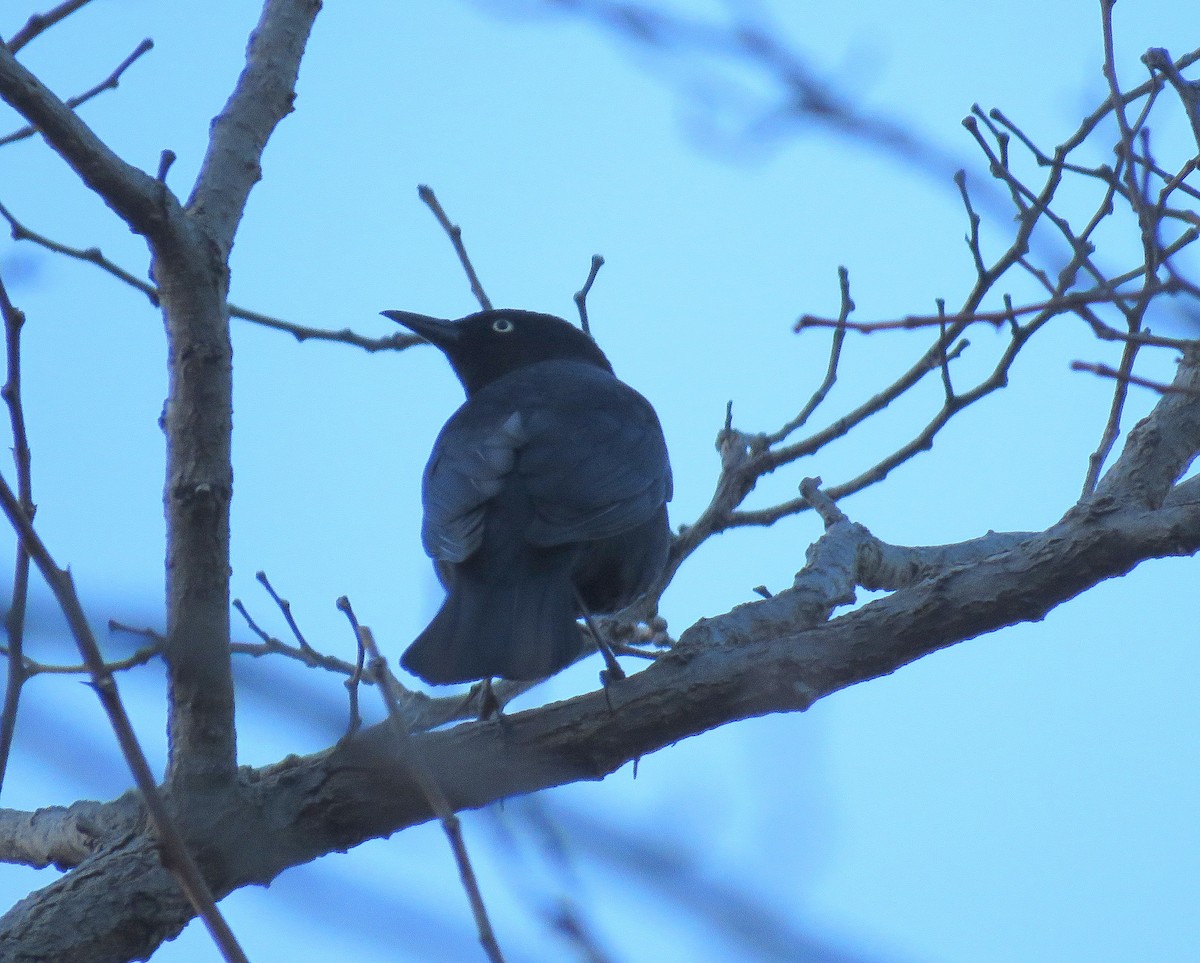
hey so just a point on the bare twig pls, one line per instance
(94, 256)
(390, 342)
(286, 608)
(835, 355)
(176, 856)
(1112, 425)
(41, 22)
(111, 82)
(454, 232)
(352, 683)
(432, 792)
(1061, 304)
(91, 255)
(1107, 371)
(822, 504)
(1157, 58)
(788, 90)
(582, 294)
(424, 712)
(14, 620)
(973, 219)
(141, 657)
(251, 624)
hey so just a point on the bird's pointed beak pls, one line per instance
(437, 331)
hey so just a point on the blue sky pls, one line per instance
(1025, 796)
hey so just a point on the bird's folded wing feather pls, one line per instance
(594, 473)
(593, 464)
(469, 464)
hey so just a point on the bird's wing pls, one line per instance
(467, 468)
(584, 448)
(595, 469)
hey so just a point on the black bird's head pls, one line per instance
(488, 345)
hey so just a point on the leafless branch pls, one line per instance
(14, 620)
(1063, 304)
(286, 608)
(835, 355)
(1157, 58)
(582, 294)
(141, 657)
(175, 852)
(432, 790)
(94, 256)
(454, 232)
(1107, 371)
(746, 457)
(352, 683)
(111, 82)
(41, 22)
(798, 95)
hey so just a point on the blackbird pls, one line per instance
(545, 497)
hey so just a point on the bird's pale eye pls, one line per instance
(502, 326)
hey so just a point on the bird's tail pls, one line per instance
(519, 624)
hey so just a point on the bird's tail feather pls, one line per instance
(521, 626)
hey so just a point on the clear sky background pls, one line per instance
(1030, 795)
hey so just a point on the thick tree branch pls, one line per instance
(193, 286)
(61, 836)
(1162, 446)
(141, 201)
(262, 98)
(779, 654)
(769, 656)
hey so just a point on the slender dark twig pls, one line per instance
(142, 656)
(454, 232)
(41, 22)
(612, 668)
(582, 294)
(286, 608)
(352, 683)
(176, 856)
(1112, 425)
(432, 792)
(1107, 371)
(14, 620)
(1062, 304)
(1158, 58)
(94, 256)
(251, 624)
(111, 82)
(835, 355)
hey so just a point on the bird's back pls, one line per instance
(549, 481)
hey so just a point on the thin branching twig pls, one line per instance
(14, 620)
(286, 608)
(94, 256)
(432, 792)
(176, 857)
(111, 82)
(1082, 287)
(454, 232)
